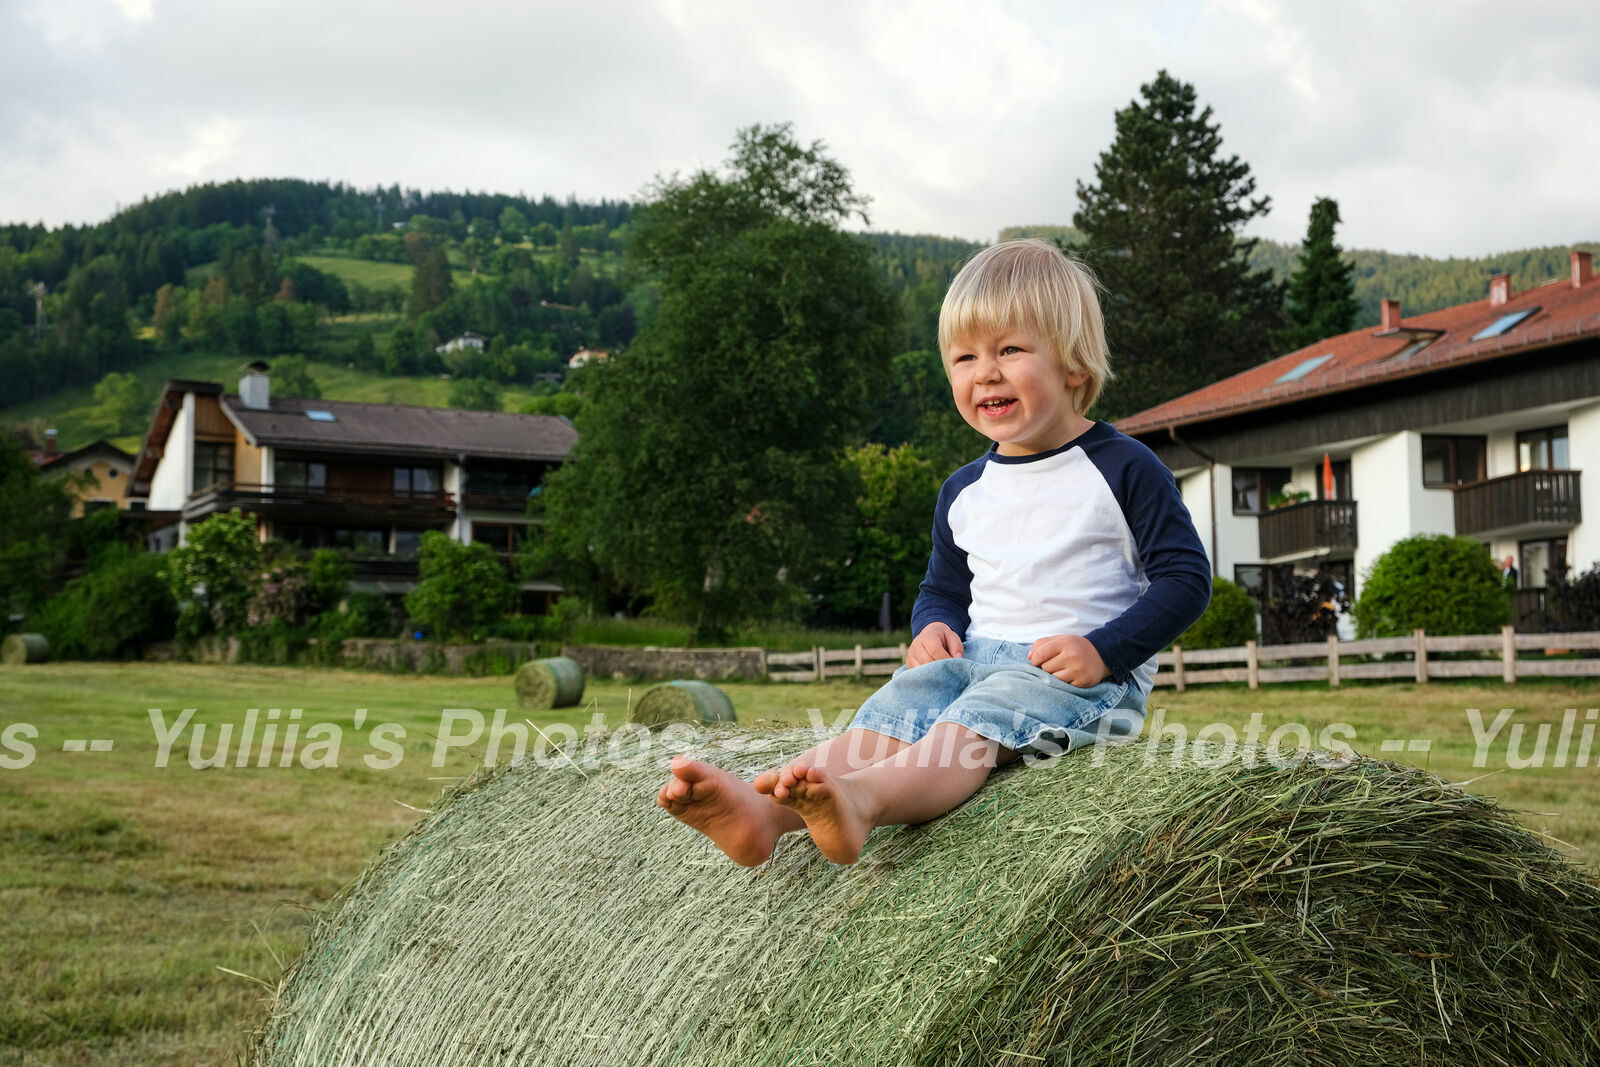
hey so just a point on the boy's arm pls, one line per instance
(1174, 562)
(946, 593)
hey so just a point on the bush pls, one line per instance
(462, 591)
(212, 576)
(1572, 605)
(1434, 582)
(1229, 621)
(113, 611)
(1305, 607)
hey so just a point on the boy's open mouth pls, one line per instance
(998, 406)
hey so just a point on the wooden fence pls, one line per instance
(1331, 661)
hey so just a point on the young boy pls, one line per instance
(1063, 560)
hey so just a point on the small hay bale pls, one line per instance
(24, 648)
(682, 701)
(1132, 912)
(544, 684)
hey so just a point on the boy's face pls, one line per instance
(1011, 388)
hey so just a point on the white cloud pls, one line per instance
(1441, 133)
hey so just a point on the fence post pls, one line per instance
(1421, 653)
(1177, 667)
(816, 653)
(1252, 665)
(1333, 661)
(1508, 655)
(903, 651)
(859, 669)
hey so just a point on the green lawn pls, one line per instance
(129, 892)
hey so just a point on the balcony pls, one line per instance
(1310, 528)
(509, 500)
(321, 503)
(1524, 504)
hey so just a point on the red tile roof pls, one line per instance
(1363, 357)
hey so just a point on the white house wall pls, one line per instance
(459, 527)
(1583, 440)
(1195, 488)
(169, 485)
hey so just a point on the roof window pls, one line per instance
(1305, 368)
(1502, 324)
(320, 416)
(1418, 343)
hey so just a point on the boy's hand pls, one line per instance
(936, 641)
(1071, 658)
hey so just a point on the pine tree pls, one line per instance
(1161, 228)
(1321, 298)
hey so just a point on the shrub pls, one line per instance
(212, 576)
(1305, 607)
(113, 611)
(1229, 621)
(1572, 605)
(1438, 583)
(463, 590)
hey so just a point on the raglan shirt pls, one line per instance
(1091, 539)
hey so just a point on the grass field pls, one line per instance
(130, 893)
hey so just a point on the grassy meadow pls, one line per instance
(146, 910)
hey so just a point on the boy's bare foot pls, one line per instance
(830, 807)
(722, 806)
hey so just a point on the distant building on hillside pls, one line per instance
(584, 355)
(1475, 420)
(370, 479)
(111, 468)
(466, 340)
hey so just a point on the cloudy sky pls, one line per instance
(1456, 127)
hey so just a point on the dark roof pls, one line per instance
(93, 448)
(1562, 312)
(402, 429)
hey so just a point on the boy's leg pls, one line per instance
(736, 816)
(918, 783)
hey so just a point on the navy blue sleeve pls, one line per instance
(1170, 551)
(946, 593)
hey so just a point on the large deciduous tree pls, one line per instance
(707, 474)
(1162, 226)
(1321, 298)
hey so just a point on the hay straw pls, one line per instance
(1128, 913)
(682, 701)
(544, 684)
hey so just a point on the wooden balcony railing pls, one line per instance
(1529, 498)
(321, 500)
(1312, 526)
(513, 500)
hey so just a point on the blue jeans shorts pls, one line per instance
(995, 692)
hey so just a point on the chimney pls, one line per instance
(49, 442)
(1499, 290)
(1391, 314)
(1582, 269)
(254, 390)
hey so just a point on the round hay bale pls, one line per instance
(24, 648)
(1125, 912)
(682, 701)
(549, 683)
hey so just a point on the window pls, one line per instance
(1452, 461)
(500, 536)
(407, 542)
(1543, 450)
(416, 480)
(213, 465)
(1305, 368)
(1417, 344)
(1502, 324)
(113, 473)
(300, 474)
(1540, 561)
(295, 534)
(1253, 486)
(320, 416)
(1341, 481)
(364, 542)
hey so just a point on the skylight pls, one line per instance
(1502, 324)
(1305, 368)
(1416, 345)
(320, 416)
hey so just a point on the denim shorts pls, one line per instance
(995, 692)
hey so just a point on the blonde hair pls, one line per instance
(1032, 284)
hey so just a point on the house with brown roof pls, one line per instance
(1475, 420)
(366, 478)
(109, 467)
